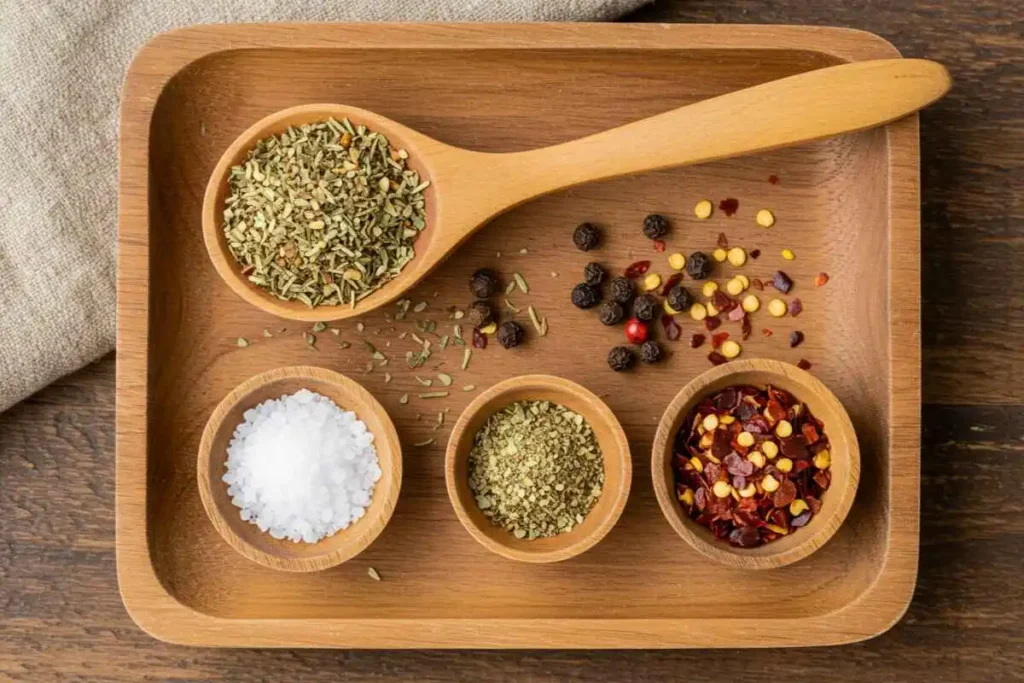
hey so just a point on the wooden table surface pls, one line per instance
(62, 617)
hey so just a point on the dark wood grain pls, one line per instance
(61, 613)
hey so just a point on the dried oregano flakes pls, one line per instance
(324, 213)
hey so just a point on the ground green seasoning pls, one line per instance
(324, 214)
(536, 469)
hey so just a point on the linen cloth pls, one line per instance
(61, 67)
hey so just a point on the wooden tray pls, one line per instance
(847, 206)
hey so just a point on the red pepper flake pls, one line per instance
(723, 241)
(718, 338)
(637, 269)
(821, 279)
(716, 358)
(754, 253)
(737, 314)
(712, 322)
(796, 337)
(804, 364)
(671, 282)
(746, 328)
(796, 307)
(696, 340)
(672, 329)
(757, 284)
(767, 331)
(782, 282)
(729, 206)
(659, 245)
(773, 179)
(479, 339)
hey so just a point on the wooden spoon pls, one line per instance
(469, 188)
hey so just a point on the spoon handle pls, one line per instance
(802, 108)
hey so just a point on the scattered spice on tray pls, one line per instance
(593, 274)
(650, 352)
(299, 467)
(585, 296)
(821, 279)
(773, 179)
(751, 464)
(586, 236)
(483, 283)
(636, 331)
(702, 209)
(621, 358)
(765, 218)
(510, 334)
(536, 469)
(325, 213)
(729, 206)
(622, 290)
(655, 226)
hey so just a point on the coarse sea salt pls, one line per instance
(301, 468)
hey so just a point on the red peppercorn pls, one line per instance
(636, 331)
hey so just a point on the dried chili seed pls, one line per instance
(655, 226)
(621, 290)
(699, 265)
(804, 364)
(729, 205)
(637, 269)
(672, 329)
(586, 236)
(696, 340)
(796, 307)
(796, 337)
(593, 274)
(611, 313)
(483, 283)
(821, 279)
(716, 358)
(584, 296)
(679, 298)
(479, 339)
(620, 358)
(782, 282)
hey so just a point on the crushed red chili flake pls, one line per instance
(716, 358)
(637, 269)
(782, 282)
(729, 206)
(737, 492)
(696, 340)
(745, 327)
(737, 314)
(723, 301)
(712, 322)
(767, 331)
(757, 284)
(804, 364)
(671, 282)
(718, 338)
(773, 179)
(821, 279)
(672, 329)
(796, 307)
(796, 337)
(723, 241)
(479, 339)
(659, 245)
(754, 253)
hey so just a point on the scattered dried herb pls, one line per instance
(521, 283)
(373, 573)
(242, 342)
(433, 394)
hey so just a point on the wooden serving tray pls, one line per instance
(847, 206)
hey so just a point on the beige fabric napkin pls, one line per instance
(61, 66)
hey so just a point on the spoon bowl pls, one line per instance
(469, 188)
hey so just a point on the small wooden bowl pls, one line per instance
(845, 466)
(247, 538)
(618, 468)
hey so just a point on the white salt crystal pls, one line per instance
(299, 467)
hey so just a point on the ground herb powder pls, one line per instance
(536, 469)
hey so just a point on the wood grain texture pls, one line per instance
(845, 469)
(851, 202)
(618, 468)
(63, 618)
(245, 537)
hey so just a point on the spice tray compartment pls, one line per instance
(847, 206)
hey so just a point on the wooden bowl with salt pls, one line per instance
(845, 465)
(618, 469)
(245, 537)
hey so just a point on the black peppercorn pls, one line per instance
(699, 265)
(679, 299)
(593, 274)
(480, 313)
(584, 296)
(483, 283)
(611, 313)
(650, 352)
(622, 290)
(655, 226)
(586, 236)
(645, 307)
(510, 334)
(621, 358)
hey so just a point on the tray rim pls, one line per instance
(163, 616)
